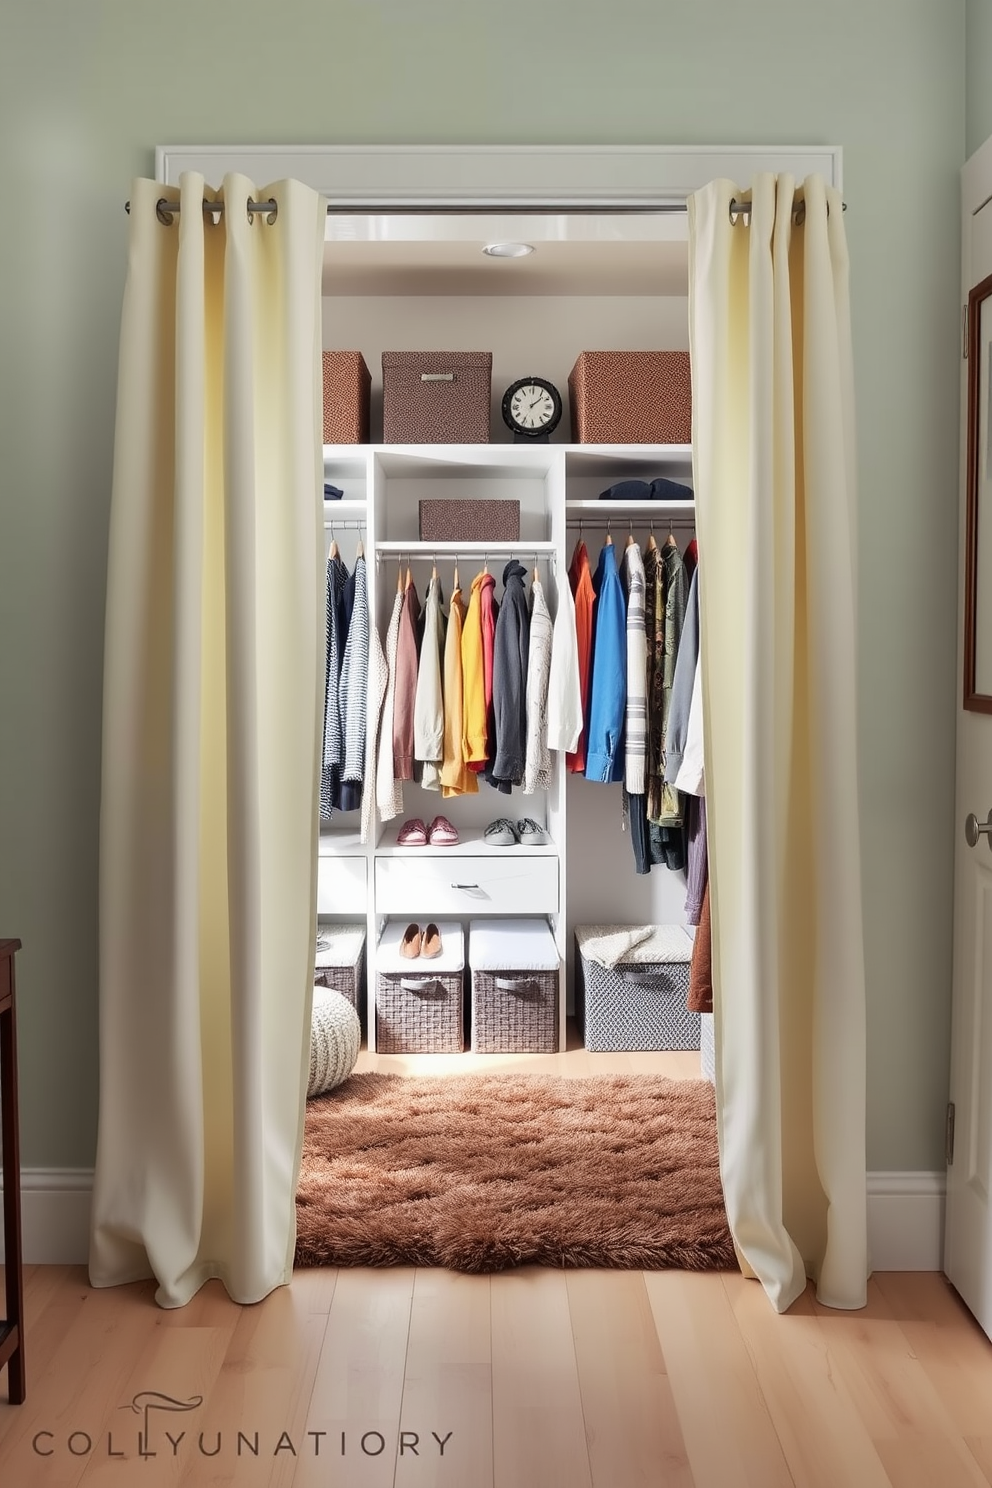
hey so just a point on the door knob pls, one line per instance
(973, 829)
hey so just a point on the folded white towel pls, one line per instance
(643, 944)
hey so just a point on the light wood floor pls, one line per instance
(528, 1379)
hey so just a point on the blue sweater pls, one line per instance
(608, 687)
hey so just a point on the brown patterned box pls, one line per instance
(631, 397)
(469, 521)
(436, 397)
(347, 389)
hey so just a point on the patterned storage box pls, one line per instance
(631, 397)
(418, 1004)
(347, 392)
(470, 521)
(436, 397)
(514, 966)
(640, 1001)
(339, 962)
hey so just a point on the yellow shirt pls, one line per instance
(474, 744)
(456, 778)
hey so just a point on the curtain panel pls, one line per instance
(774, 466)
(213, 698)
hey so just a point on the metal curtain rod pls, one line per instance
(166, 210)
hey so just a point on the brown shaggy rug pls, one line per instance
(482, 1172)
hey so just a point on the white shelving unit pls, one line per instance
(556, 486)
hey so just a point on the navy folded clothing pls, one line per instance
(332, 493)
(660, 489)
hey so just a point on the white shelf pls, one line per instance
(427, 548)
(333, 843)
(471, 844)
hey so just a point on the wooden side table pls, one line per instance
(12, 1326)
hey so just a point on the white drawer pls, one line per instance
(434, 885)
(342, 885)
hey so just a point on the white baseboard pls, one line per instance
(905, 1218)
(906, 1221)
(55, 1216)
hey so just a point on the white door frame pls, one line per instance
(466, 177)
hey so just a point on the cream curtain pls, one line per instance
(213, 694)
(773, 442)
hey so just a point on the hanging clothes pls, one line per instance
(654, 630)
(682, 684)
(537, 758)
(456, 778)
(378, 677)
(636, 705)
(676, 595)
(389, 790)
(489, 611)
(332, 757)
(608, 680)
(407, 661)
(428, 710)
(584, 600)
(474, 750)
(353, 689)
(511, 645)
(564, 685)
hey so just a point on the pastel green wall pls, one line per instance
(86, 91)
(979, 73)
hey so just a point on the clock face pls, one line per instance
(532, 406)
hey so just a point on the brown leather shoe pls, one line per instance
(410, 944)
(430, 945)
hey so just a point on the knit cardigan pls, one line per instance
(537, 759)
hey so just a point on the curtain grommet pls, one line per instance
(164, 212)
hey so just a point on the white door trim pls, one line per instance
(461, 177)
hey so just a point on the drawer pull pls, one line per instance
(464, 886)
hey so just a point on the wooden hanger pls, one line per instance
(334, 547)
(409, 577)
(650, 545)
(360, 551)
(399, 576)
(537, 576)
(455, 583)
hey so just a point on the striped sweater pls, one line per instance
(636, 708)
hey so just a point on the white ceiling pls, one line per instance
(441, 254)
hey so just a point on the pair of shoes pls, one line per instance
(505, 833)
(440, 833)
(426, 943)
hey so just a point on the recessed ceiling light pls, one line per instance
(508, 250)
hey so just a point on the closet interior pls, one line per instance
(421, 281)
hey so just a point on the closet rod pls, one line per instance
(640, 520)
(332, 526)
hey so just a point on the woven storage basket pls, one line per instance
(514, 967)
(347, 393)
(418, 1004)
(436, 397)
(339, 962)
(640, 1003)
(631, 397)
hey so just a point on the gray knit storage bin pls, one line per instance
(339, 962)
(418, 1003)
(514, 966)
(640, 1001)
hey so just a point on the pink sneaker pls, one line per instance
(441, 833)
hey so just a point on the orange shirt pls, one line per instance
(580, 580)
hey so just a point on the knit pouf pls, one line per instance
(335, 1037)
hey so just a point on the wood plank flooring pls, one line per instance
(535, 1378)
(408, 1378)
